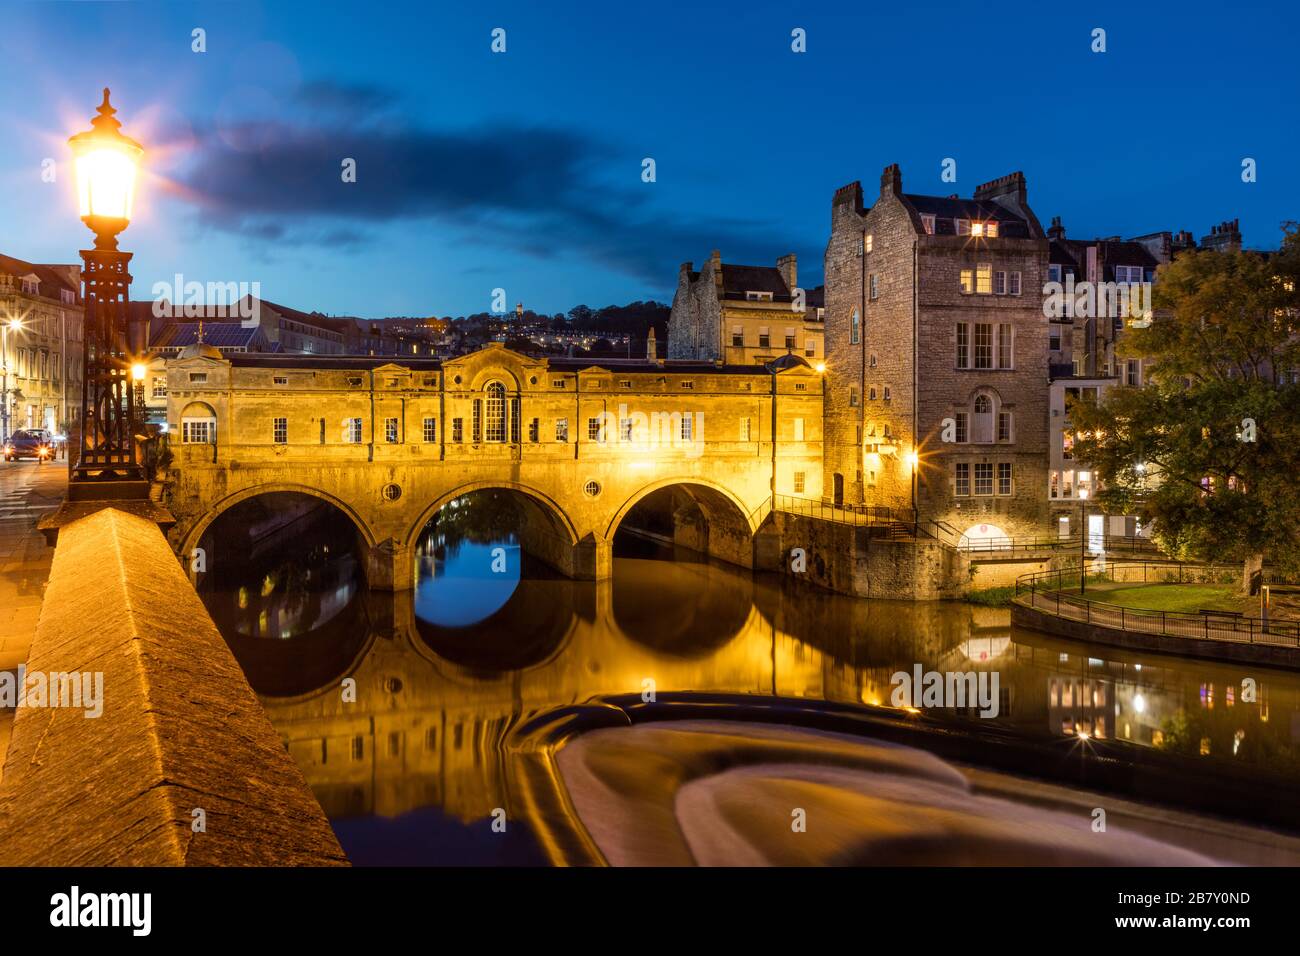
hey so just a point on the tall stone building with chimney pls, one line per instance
(936, 346)
(744, 315)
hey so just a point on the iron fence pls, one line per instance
(1047, 591)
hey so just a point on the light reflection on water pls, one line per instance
(412, 771)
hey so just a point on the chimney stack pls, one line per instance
(789, 269)
(891, 180)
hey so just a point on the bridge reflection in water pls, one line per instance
(412, 770)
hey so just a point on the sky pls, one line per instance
(524, 170)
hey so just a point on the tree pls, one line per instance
(1208, 451)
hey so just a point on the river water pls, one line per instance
(410, 768)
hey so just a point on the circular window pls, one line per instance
(393, 685)
(392, 492)
(592, 488)
(532, 380)
(457, 379)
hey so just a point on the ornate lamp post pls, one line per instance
(106, 164)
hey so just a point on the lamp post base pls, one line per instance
(115, 489)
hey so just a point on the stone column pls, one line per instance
(390, 566)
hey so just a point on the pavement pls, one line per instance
(28, 490)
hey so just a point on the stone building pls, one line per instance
(42, 353)
(936, 345)
(744, 315)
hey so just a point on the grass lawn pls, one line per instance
(1175, 597)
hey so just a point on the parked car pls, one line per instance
(28, 443)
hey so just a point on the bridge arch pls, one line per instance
(200, 527)
(548, 504)
(728, 529)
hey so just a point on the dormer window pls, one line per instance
(927, 221)
(68, 296)
(31, 287)
(963, 227)
(758, 296)
(988, 230)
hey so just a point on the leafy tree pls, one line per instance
(1208, 451)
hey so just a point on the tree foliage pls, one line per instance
(1208, 451)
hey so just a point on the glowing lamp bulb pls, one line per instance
(105, 163)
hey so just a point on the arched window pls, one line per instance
(495, 413)
(982, 419)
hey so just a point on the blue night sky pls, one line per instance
(523, 170)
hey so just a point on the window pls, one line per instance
(624, 383)
(999, 282)
(535, 431)
(927, 220)
(280, 431)
(873, 284)
(557, 383)
(1005, 356)
(737, 336)
(1126, 274)
(160, 386)
(872, 361)
(352, 430)
(495, 412)
(963, 345)
(1054, 340)
(745, 429)
(458, 430)
(982, 432)
(687, 423)
(962, 476)
(867, 242)
(855, 329)
(390, 431)
(984, 278)
(764, 337)
(625, 429)
(963, 227)
(983, 478)
(871, 393)
(758, 296)
(322, 431)
(430, 430)
(1053, 273)
(198, 431)
(280, 380)
(887, 393)
(799, 482)
(1004, 426)
(1004, 477)
(801, 386)
(798, 429)
(688, 384)
(983, 345)
(967, 281)
(789, 339)
(562, 429)
(853, 396)
(962, 429)
(809, 346)
(595, 429)
(198, 378)
(1014, 287)
(1133, 372)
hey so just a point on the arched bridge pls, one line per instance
(389, 442)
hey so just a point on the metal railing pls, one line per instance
(1049, 591)
(857, 515)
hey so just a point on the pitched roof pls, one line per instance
(947, 209)
(50, 279)
(221, 335)
(737, 280)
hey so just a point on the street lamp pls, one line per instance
(1083, 539)
(914, 463)
(106, 164)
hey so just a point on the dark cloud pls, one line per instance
(533, 190)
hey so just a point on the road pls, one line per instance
(27, 490)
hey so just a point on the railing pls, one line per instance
(858, 515)
(1046, 591)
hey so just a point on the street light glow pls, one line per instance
(106, 163)
(137, 371)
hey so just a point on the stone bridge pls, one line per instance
(389, 442)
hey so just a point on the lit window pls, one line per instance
(927, 220)
(352, 430)
(799, 482)
(495, 412)
(967, 281)
(977, 228)
(562, 429)
(867, 242)
(984, 278)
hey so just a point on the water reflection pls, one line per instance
(413, 770)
